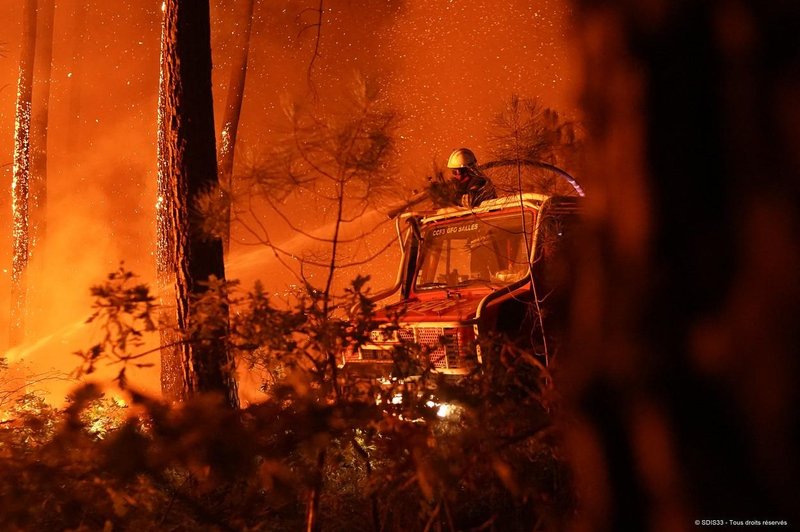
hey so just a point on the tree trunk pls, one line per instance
(76, 136)
(37, 201)
(20, 187)
(233, 108)
(684, 364)
(187, 168)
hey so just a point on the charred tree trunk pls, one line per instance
(233, 109)
(20, 186)
(187, 168)
(685, 356)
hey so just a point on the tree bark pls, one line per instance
(233, 109)
(685, 354)
(188, 168)
(20, 186)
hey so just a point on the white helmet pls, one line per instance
(462, 158)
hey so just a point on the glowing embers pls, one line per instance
(443, 409)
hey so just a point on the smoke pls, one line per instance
(101, 184)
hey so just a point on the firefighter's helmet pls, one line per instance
(462, 158)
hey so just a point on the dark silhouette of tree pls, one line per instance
(340, 163)
(20, 187)
(684, 364)
(187, 168)
(334, 168)
(233, 107)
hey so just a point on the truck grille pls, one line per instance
(446, 346)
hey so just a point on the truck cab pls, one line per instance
(496, 270)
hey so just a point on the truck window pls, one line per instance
(488, 250)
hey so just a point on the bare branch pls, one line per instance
(7, 394)
(315, 55)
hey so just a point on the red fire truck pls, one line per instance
(499, 269)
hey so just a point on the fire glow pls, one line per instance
(443, 75)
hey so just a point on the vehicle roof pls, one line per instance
(527, 199)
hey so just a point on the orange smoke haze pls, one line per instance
(446, 66)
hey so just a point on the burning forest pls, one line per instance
(362, 265)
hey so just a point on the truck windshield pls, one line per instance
(488, 250)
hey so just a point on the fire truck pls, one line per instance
(499, 270)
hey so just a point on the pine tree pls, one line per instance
(20, 187)
(233, 109)
(187, 168)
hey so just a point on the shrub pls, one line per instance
(346, 453)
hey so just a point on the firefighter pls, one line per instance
(470, 184)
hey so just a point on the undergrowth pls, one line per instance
(354, 453)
